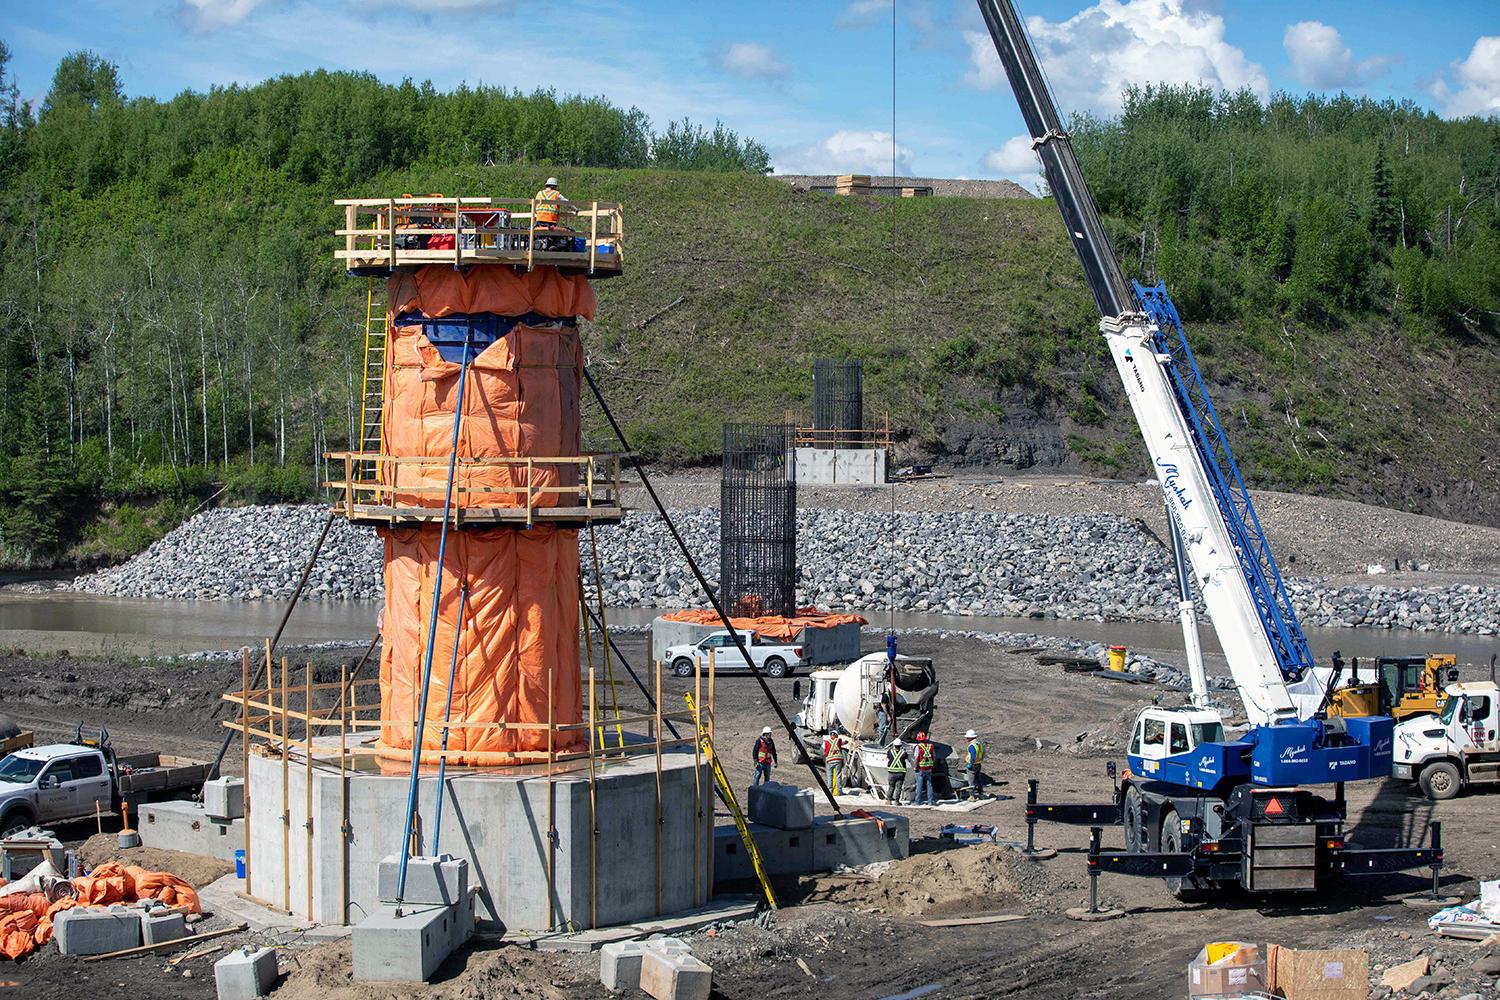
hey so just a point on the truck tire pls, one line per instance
(682, 667)
(775, 667)
(1440, 780)
(1130, 819)
(16, 819)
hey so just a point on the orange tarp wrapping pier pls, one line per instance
(518, 644)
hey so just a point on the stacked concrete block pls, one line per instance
(224, 798)
(245, 973)
(443, 879)
(96, 930)
(854, 842)
(158, 927)
(675, 975)
(404, 946)
(785, 807)
(782, 852)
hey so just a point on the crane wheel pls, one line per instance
(1130, 818)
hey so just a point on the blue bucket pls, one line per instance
(239, 863)
(606, 248)
(580, 244)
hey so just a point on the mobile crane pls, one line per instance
(1197, 808)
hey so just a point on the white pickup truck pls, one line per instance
(63, 781)
(774, 659)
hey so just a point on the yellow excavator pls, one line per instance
(1403, 686)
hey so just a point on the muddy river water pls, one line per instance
(84, 623)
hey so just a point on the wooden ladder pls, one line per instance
(371, 424)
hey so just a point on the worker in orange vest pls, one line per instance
(549, 202)
(925, 757)
(765, 756)
(833, 760)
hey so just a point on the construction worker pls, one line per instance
(926, 757)
(895, 768)
(973, 761)
(549, 202)
(765, 756)
(882, 724)
(833, 760)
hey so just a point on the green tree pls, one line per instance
(83, 78)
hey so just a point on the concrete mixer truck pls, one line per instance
(846, 700)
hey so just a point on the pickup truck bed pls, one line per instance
(143, 775)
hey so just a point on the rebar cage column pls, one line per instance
(758, 521)
(839, 402)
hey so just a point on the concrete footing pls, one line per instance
(842, 466)
(598, 870)
(855, 842)
(189, 827)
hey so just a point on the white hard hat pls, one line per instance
(766, 731)
(896, 742)
(970, 735)
(552, 182)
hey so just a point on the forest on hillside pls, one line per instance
(176, 331)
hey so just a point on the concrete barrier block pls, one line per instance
(96, 930)
(785, 807)
(782, 852)
(403, 949)
(224, 798)
(464, 916)
(433, 880)
(157, 928)
(620, 965)
(245, 973)
(856, 842)
(668, 974)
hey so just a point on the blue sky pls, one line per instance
(810, 79)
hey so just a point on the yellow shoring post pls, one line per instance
(734, 806)
(588, 648)
(609, 665)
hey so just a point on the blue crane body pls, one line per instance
(1194, 806)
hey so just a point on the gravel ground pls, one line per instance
(1068, 549)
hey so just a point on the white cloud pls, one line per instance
(1476, 86)
(206, 16)
(1016, 161)
(864, 14)
(846, 151)
(1093, 56)
(438, 6)
(1321, 60)
(750, 60)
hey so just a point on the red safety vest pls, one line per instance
(763, 751)
(833, 750)
(924, 756)
(547, 202)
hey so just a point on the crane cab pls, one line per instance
(1184, 746)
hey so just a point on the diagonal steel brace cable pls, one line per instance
(713, 598)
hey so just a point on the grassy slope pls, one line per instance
(982, 301)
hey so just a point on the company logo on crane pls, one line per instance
(1170, 474)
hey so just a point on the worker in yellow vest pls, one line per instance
(833, 760)
(926, 756)
(973, 762)
(549, 201)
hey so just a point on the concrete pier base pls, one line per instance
(842, 466)
(496, 820)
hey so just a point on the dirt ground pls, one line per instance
(850, 936)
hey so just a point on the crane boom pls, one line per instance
(1213, 516)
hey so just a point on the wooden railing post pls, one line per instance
(391, 233)
(593, 235)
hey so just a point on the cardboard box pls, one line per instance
(1337, 974)
(1240, 972)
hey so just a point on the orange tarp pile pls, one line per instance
(26, 918)
(769, 626)
(518, 645)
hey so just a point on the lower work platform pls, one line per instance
(633, 868)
